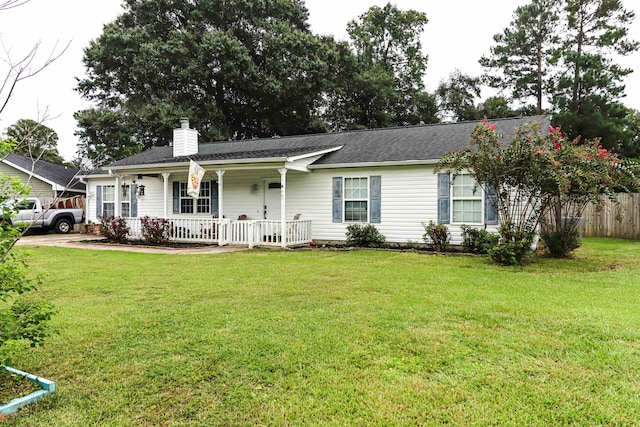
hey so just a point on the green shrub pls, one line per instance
(114, 229)
(559, 244)
(364, 236)
(155, 230)
(437, 235)
(514, 246)
(478, 241)
(24, 319)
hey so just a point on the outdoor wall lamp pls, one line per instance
(140, 190)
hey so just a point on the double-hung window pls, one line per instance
(356, 199)
(189, 205)
(466, 200)
(108, 200)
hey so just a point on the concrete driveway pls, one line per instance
(84, 241)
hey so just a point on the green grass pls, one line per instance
(323, 338)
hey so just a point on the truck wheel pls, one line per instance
(63, 226)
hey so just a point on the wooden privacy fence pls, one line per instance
(611, 221)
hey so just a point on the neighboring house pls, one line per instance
(291, 190)
(47, 181)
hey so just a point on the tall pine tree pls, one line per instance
(521, 59)
(565, 51)
(587, 94)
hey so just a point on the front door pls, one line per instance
(271, 200)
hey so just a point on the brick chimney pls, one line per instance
(185, 140)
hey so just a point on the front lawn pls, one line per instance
(324, 338)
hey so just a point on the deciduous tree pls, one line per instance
(35, 140)
(382, 82)
(457, 97)
(540, 178)
(23, 321)
(237, 69)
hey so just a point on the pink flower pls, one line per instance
(557, 145)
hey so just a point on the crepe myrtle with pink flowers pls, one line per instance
(540, 181)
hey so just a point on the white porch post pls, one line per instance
(220, 174)
(118, 206)
(283, 206)
(165, 191)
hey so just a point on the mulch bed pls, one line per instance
(171, 245)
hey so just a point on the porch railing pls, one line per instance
(225, 232)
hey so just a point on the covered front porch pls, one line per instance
(243, 196)
(232, 232)
(239, 205)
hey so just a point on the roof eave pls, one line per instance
(31, 173)
(112, 169)
(376, 164)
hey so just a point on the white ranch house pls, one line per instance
(295, 190)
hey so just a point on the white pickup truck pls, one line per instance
(59, 216)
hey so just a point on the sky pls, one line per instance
(459, 32)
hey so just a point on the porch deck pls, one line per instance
(228, 232)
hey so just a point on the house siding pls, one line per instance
(39, 188)
(405, 201)
(408, 199)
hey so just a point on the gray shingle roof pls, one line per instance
(400, 144)
(62, 175)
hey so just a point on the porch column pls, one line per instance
(220, 174)
(283, 206)
(118, 206)
(165, 193)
